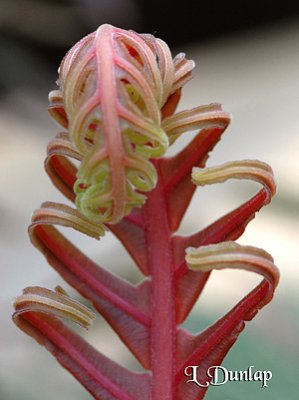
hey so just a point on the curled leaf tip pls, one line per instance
(232, 255)
(52, 213)
(207, 116)
(246, 169)
(56, 303)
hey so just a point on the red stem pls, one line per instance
(163, 328)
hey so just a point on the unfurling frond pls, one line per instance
(115, 87)
(118, 92)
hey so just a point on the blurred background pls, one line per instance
(247, 58)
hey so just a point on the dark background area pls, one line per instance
(191, 21)
(35, 34)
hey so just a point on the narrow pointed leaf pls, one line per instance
(211, 346)
(123, 305)
(230, 227)
(103, 378)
